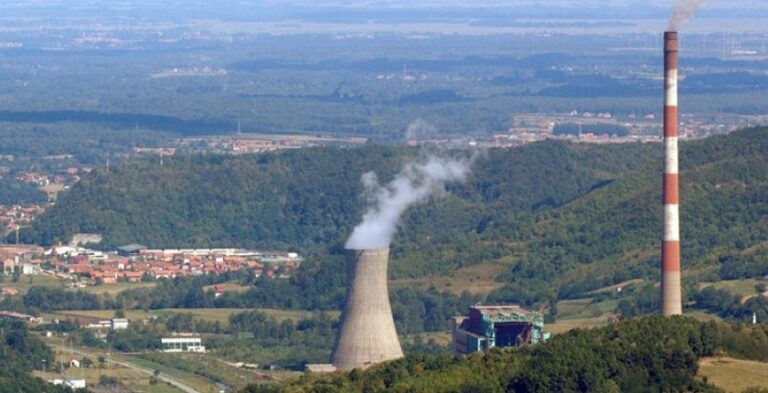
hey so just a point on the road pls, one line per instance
(162, 377)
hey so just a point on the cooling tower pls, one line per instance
(671, 297)
(368, 333)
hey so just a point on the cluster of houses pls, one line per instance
(136, 263)
(14, 216)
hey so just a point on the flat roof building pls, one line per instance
(497, 326)
(182, 344)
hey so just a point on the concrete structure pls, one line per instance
(368, 334)
(320, 368)
(183, 344)
(119, 323)
(671, 293)
(9, 265)
(28, 269)
(72, 383)
(103, 324)
(497, 326)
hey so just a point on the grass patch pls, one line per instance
(740, 287)
(208, 314)
(26, 282)
(564, 325)
(569, 308)
(476, 279)
(443, 339)
(115, 289)
(734, 375)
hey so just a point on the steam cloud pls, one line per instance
(414, 183)
(684, 10)
(420, 129)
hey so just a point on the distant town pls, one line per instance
(135, 263)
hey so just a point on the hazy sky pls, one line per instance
(350, 12)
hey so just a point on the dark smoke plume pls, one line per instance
(684, 10)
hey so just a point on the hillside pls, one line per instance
(311, 199)
(641, 355)
(564, 218)
(21, 352)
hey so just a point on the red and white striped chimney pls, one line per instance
(671, 293)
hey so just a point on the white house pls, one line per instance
(119, 323)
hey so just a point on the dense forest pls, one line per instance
(651, 354)
(13, 192)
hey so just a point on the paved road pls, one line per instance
(162, 377)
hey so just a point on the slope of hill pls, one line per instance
(20, 353)
(648, 354)
(612, 235)
(565, 218)
(311, 199)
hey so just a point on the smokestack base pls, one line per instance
(368, 335)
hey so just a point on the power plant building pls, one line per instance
(497, 326)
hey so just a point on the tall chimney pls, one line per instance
(671, 297)
(368, 334)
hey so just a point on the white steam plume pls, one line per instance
(413, 184)
(684, 10)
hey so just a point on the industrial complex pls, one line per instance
(497, 326)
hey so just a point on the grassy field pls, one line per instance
(441, 338)
(734, 375)
(209, 314)
(739, 287)
(477, 279)
(564, 325)
(702, 316)
(26, 282)
(622, 285)
(190, 379)
(115, 289)
(567, 308)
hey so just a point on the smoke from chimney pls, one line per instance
(415, 183)
(684, 10)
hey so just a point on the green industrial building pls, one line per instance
(497, 326)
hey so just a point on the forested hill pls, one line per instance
(20, 353)
(573, 216)
(652, 354)
(312, 197)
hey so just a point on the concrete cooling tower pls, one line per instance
(368, 335)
